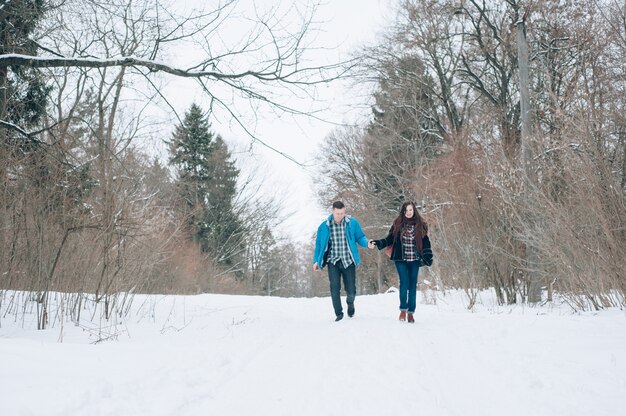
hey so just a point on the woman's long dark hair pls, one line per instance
(399, 224)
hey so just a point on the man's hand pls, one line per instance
(316, 267)
(371, 244)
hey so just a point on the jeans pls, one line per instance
(407, 272)
(335, 272)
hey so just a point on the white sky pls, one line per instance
(344, 25)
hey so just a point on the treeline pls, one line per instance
(446, 132)
(88, 217)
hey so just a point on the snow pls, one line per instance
(243, 355)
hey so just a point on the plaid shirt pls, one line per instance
(409, 252)
(339, 249)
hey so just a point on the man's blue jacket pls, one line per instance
(354, 235)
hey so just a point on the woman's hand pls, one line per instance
(371, 244)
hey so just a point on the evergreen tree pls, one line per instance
(404, 132)
(23, 93)
(206, 179)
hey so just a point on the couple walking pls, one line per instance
(407, 245)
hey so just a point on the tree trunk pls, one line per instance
(3, 168)
(534, 290)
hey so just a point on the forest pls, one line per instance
(504, 121)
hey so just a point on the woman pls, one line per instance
(409, 247)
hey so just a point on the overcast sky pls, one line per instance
(342, 26)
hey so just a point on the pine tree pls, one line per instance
(23, 92)
(206, 183)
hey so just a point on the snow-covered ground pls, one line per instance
(240, 355)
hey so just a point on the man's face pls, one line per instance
(338, 214)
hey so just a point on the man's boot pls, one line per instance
(402, 316)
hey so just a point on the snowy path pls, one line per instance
(242, 355)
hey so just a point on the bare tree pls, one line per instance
(140, 37)
(486, 221)
(107, 231)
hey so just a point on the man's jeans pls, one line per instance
(407, 272)
(335, 272)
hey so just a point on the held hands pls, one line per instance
(371, 244)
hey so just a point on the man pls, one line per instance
(336, 245)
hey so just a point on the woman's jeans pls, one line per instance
(407, 272)
(335, 272)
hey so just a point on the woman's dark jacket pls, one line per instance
(426, 254)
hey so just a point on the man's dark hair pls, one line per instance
(338, 205)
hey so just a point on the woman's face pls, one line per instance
(409, 211)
